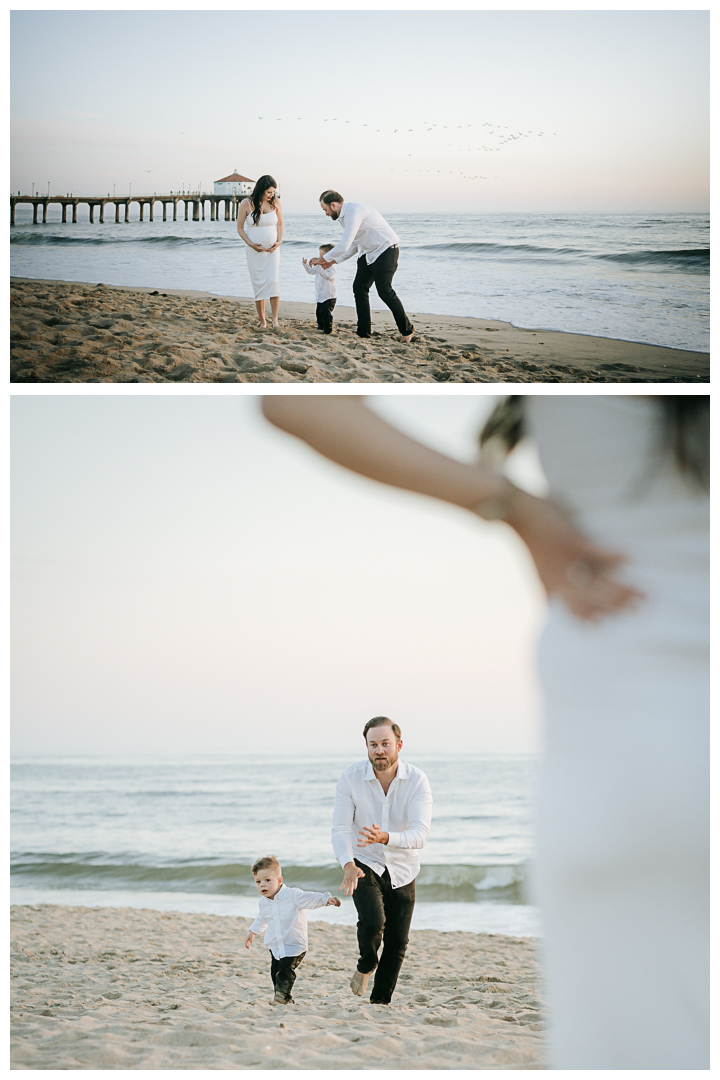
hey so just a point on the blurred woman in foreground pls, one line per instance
(622, 549)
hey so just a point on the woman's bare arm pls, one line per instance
(346, 431)
(569, 565)
(280, 227)
(243, 211)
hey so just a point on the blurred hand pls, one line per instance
(333, 902)
(249, 940)
(570, 566)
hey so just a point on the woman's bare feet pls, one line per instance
(276, 325)
(358, 983)
(263, 326)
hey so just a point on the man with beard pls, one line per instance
(366, 231)
(381, 861)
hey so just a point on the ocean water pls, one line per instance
(181, 833)
(637, 277)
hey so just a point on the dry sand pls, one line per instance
(119, 988)
(74, 332)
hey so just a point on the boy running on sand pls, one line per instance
(284, 921)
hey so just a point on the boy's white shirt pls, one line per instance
(325, 287)
(284, 920)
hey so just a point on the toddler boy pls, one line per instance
(284, 921)
(325, 291)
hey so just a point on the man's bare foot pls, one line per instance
(263, 326)
(408, 337)
(358, 983)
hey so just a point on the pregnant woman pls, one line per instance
(260, 224)
(623, 846)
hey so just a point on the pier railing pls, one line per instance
(194, 204)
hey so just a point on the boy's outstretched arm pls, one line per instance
(313, 899)
(333, 902)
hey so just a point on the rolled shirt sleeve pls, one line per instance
(312, 900)
(260, 924)
(345, 248)
(419, 816)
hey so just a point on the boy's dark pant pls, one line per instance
(283, 975)
(384, 915)
(381, 273)
(323, 314)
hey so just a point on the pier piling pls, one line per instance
(196, 201)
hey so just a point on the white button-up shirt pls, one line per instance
(285, 922)
(404, 813)
(364, 230)
(325, 287)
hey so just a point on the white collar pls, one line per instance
(272, 899)
(401, 774)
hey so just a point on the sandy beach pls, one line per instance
(122, 988)
(74, 332)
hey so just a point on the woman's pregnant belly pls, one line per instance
(265, 235)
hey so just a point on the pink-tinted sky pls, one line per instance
(188, 577)
(466, 110)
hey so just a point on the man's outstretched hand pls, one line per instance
(375, 835)
(353, 874)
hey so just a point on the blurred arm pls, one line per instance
(569, 564)
(347, 432)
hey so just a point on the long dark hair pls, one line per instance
(685, 430)
(259, 190)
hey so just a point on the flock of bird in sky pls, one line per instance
(428, 128)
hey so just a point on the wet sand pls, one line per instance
(73, 332)
(121, 988)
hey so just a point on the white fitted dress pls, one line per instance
(264, 266)
(623, 829)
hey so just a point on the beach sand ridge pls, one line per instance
(74, 332)
(125, 988)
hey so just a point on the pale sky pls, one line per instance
(187, 577)
(421, 110)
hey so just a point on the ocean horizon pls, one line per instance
(181, 833)
(641, 277)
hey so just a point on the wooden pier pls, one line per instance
(194, 204)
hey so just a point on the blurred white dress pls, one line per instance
(623, 832)
(264, 266)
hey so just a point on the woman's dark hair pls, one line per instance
(259, 190)
(685, 430)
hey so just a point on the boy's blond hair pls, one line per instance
(268, 862)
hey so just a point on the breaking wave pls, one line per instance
(98, 870)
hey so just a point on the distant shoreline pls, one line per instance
(213, 338)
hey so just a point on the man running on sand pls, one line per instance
(368, 232)
(381, 880)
